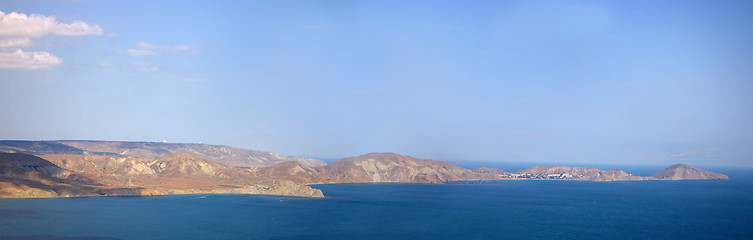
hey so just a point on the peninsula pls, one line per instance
(38, 169)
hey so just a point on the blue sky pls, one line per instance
(644, 82)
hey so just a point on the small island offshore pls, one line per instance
(44, 169)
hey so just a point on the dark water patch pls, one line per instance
(11, 213)
(58, 238)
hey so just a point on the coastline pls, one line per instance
(296, 192)
(30, 176)
(306, 191)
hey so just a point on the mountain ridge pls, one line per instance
(375, 168)
(78, 172)
(225, 154)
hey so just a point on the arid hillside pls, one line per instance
(683, 172)
(376, 168)
(85, 168)
(227, 155)
(23, 175)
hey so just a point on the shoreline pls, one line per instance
(317, 193)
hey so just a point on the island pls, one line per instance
(42, 169)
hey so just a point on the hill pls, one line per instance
(686, 172)
(179, 173)
(223, 154)
(91, 168)
(393, 167)
(24, 175)
(375, 168)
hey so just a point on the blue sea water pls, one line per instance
(526, 209)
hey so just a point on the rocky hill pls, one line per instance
(393, 167)
(23, 175)
(685, 172)
(186, 173)
(178, 165)
(291, 171)
(223, 154)
(375, 168)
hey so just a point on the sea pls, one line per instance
(514, 209)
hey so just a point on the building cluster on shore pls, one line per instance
(539, 176)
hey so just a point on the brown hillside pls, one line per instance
(687, 172)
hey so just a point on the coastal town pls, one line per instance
(539, 176)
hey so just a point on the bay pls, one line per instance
(524, 209)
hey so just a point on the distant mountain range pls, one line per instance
(228, 155)
(102, 168)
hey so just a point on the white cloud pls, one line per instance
(34, 25)
(140, 52)
(130, 66)
(15, 42)
(17, 29)
(148, 46)
(106, 64)
(77, 28)
(148, 49)
(186, 48)
(21, 60)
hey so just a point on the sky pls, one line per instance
(590, 82)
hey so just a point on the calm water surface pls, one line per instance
(492, 210)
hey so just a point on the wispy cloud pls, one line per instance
(34, 25)
(19, 59)
(148, 49)
(130, 66)
(15, 42)
(140, 52)
(17, 29)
